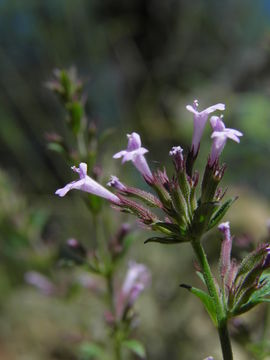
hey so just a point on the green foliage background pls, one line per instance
(142, 62)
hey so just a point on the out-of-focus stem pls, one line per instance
(81, 145)
(115, 339)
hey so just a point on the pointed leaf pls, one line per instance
(266, 300)
(201, 276)
(219, 214)
(264, 290)
(251, 261)
(205, 299)
(170, 229)
(136, 347)
(91, 351)
(168, 240)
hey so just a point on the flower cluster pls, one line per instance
(185, 217)
(182, 208)
(243, 285)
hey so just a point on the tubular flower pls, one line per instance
(200, 119)
(220, 136)
(41, 282)
(137, 279)
(116, 183)
(135, 153)
(87, 184)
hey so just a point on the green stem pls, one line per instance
(213, 292)
(225, 341)
(81, 146)
(116, 342)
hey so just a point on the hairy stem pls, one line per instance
(213, 292)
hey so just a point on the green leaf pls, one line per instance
(66, 83)
(264, 291)
(251, 262)
(171, 230)
(56, 147)
(219, 214)
(200, 275)
(266, 300)
(168, 240)
(91, 351)
(205, 299)
(136, 347)
(201, 217)
(258, 296)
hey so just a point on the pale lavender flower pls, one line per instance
(220, 136)
(116, 183)
(200, 119)
(41, 282)
(90, 282)
(135, 153)
(226, 248)
(85, 183)
(137, 279)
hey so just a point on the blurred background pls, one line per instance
(142, 62)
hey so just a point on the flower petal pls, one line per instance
(73, 185)
(119, 154)
(213, 108)
(191, 109)
(134, 141)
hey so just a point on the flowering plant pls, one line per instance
(99, 268)
(189, 212)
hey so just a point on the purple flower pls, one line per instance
(220, 136)
(135, 153)
(200, 119)
(137, 279)
(85, 183)
(41, 282)
(116, 183)
(226, 248)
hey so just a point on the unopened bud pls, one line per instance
(177, 154)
